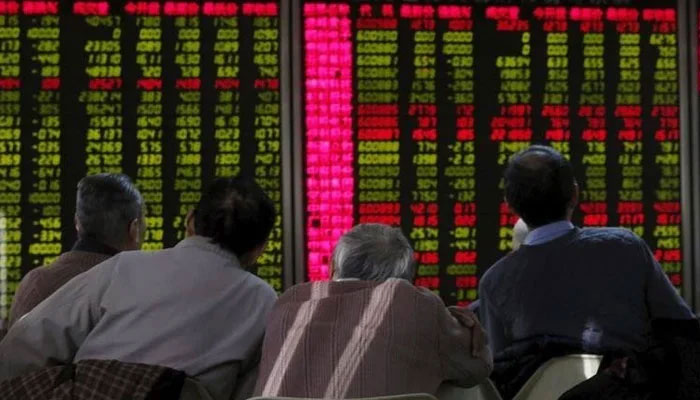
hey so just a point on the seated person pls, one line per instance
(369, 332)
(519, 233)
(589, 290)
(193, 308)
(108, 219)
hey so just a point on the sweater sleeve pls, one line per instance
(27, 296)
(663, 301)
(52, 332)
(459, 365)
(493, 324)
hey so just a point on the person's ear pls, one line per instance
(251, 257)
(78, 227)
(136, 234)
(574, 198)
(189, 224)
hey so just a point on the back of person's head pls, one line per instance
(109, 209)
(540, 186)
(373, 252)
(236, 214)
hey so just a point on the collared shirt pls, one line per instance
(191, 308)
(549, 232)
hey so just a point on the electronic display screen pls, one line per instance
(412, 110)
(172, 93)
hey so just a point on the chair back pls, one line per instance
(484, 391)
(558, 375)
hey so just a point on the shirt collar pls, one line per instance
(206, 244)
(91, 245)
(546, 233)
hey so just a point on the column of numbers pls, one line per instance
(629, 111)
(376, 46)
(44, 197)
(188, 170)
(422, 112)
(512, 128)
(227, 122)
(593, 188)
(103, 97)
(10, 158)
(268, 136)
(666, 236)
(555, 106)
(149, 123)
(458, 47)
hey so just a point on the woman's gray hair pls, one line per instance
(373, 252)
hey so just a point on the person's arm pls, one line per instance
(26, 297)
(467, 361)
(663, 301)
(53, 331)
(495, 329)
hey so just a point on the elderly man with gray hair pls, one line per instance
(108, 219)
(369, 331)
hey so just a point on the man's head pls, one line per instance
(540, 186)
(237, 215)
(373, 252)
(109, 209)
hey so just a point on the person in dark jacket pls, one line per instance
(567, 289)
(108, 219)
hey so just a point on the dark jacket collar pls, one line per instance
(93, 246)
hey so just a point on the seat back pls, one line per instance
(484, 391)
(409, 396)
(558, 375)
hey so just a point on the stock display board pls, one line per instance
(172, 93)
(412, 109)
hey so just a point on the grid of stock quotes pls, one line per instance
(173, 93)
(413, 109)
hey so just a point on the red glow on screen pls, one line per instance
(267, 84)
(9, 83)
(260, 9)
(659, 15)
(40, 7)
(149, 84)
(227, 84)
(142, 8)
(91, 8)
(454, 12)
(329, 137)
(464, 282)
(188, 84)
(586, 14)
(220, 9)
(622, 14)
(105, 84)
(50, 83)
(181, 8)
(417, 11)
(9, 7)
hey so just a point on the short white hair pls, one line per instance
(373, 252)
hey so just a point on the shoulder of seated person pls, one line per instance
(608, 235)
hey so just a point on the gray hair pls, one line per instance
(373, 252)
(105, 205)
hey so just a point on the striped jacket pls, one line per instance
(360, 339)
